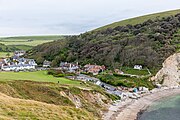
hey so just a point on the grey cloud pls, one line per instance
(29, 17)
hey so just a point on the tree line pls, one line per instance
(147, 44)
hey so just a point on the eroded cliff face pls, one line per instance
(92, 100)
(169, 75)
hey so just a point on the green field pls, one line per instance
(39, 76)
(133, 71)
(21, 47)
(27, 42)
(140, 19)
(4, 54)
(126, 81)
(24, 42)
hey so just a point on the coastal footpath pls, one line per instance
(129, 109)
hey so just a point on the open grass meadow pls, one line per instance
(24, 42)
(27, 42)
(39, 76)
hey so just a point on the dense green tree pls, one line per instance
(148, 44)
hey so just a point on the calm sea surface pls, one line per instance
(166, 109)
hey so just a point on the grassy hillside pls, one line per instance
(13, 108)
(62, 100)
(21, 47)
(5, 48)
(148, 43)
(141, 19)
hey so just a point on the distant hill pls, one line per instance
(146, 40)
(27, 42)
(140, 19)
(4, 48)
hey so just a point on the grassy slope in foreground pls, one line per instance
(140, 19)
(39, 76)
(14, 108)
(92, 100)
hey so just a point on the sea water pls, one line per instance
(166, 109)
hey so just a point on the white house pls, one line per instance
(19, 64)
(98, 83)
(138, 67)
(23, 61)
(17, 67)
(19, 53)
(70, 67)
(47, 64)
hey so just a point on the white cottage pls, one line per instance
(20, 64)
(138, 67)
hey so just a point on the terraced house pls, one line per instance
(69, 67)
(94, 69)
(18, 64)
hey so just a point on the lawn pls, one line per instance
(39, 76)
(132, 71)
(3, 54)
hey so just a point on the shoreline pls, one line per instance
(131, 109)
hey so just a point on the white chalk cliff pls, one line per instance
(170, 73)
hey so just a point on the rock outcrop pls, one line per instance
(169, 75)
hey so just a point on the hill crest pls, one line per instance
(139, 19)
